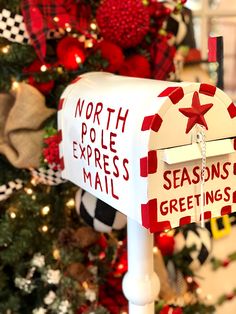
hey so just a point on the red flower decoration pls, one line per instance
(70, 53)
(136, 66)
(51, 151)
(113, 54)
(123, 22)
(165, 243)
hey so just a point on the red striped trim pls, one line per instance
(207, 89)
(148, 165)
(206, 215)
(147, 122)
(152, 161)
(235, 143)
(175, 93)
(62, 164)
(149, 217)
(143, 167)
(152, 122)
(76, 80)
(59, 135)
(232, 110)
(226, 210)
(61, 102)
(234, 197)
(234, 171)
(185, 220)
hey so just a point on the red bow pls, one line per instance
(40, 16)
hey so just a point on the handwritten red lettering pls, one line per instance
(75, 149)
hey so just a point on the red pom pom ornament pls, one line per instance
(113, 54)
(123, 22)
(136, 66)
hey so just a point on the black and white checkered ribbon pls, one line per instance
(12, 27)
(7, 189)
(47, 176)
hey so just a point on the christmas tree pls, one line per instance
(50, 260)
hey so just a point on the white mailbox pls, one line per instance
(133, 143)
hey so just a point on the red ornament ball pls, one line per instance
(113, 54)
(70, 53)
(165, 242)
(136, 66)
(123, 22)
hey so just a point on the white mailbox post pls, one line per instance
(134, 143)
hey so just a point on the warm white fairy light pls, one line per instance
(189, 279)
(82, 38)
(198, 290)
(56, 19)
(15, 85)
(5, 49)
(59, 70)
(88, 44)
(43, 68)
(29, 191)
(78, 59)
(208, 297)
(93, 26)
(13, 215)
(56, 254)
(155, 250)
(70, 203)
(45, 228)
(45, 210)
(68, 27)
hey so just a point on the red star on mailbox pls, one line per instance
(195, 113)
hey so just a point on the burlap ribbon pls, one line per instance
(22, 115)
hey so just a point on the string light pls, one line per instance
(45, 228)
(189, 279)
(68, 27)
(43, 68)
(13, 215)
(78, 59)
(15, 85)
(70, 203)
(155, 250)
(28, 191)
(56, 254)
(59, 70)
(88, 44)
(56, 19)
(45, 210)
(85, 285)
(5, 49)
(93, 26)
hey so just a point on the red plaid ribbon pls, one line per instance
(40, 16)
(163, 56)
